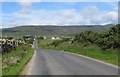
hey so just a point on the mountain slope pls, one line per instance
(52, 30)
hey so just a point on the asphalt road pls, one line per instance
(49, 62)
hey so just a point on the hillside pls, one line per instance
(52, 30)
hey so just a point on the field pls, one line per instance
(42, 43)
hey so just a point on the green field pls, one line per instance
(42, 43)
(92, 51)
(14, 61)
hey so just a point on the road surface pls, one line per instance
(49, 62)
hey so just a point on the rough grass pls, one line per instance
(110, 56)
(42, 43)
(24, 52)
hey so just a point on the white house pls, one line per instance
(53, 38)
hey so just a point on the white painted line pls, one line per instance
(92, 59)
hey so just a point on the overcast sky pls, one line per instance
(26, 12)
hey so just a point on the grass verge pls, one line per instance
(16, 60)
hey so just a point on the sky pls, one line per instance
(26, 12)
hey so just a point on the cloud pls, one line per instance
(87, 15)
(93, 15)
(113, 15)
(26, 5)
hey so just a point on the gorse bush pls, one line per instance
(107, 40)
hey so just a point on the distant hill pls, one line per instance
(50, 30)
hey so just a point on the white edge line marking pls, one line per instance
(93, 59)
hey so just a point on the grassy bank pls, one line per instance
(0, 65)
(93, 51)
(14, 61)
